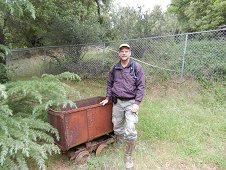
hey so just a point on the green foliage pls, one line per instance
(125, 21)
(199, 15)
(56, 23)
(17, 7)
(24, 131)
(130, 23)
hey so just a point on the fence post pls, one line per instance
(103, 59)
(183, 59)
(47, 67)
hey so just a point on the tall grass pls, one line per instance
(194, 121)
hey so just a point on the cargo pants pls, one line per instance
(124, 120)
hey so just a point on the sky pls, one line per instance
(147, 4)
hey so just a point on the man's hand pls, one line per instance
(104, 102)
(135, 108)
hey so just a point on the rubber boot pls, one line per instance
(128, 154)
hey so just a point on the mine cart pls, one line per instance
(83, 129)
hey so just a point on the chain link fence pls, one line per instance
(164, 57)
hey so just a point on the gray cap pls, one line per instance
(124, 45)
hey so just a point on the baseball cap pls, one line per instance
(124, 45)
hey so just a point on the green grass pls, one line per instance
(181, 126)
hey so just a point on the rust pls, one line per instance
(82, 157)
(100, 148)
(88, 121)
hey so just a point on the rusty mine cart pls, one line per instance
(83, 129)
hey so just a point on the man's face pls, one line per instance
(124, 53)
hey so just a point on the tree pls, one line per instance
(154, 22)
(67, 22)
(24, 131)
(25, 134)
(10, 8)
(13, 8)
(125, 23)
(195, 15)
(129, 23)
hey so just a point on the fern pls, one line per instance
(25, 133)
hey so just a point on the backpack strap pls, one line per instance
(132, 70)
(113, 72)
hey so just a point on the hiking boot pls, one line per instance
(128, 154)
(129, 162)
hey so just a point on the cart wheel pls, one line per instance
(82, 157)
(100, 148)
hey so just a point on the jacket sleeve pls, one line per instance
(110, 82)
(140, 85)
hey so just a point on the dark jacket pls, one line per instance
(121, 82)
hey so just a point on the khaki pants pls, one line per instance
(124, 120)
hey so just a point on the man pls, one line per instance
(125, 86)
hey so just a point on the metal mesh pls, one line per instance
(163, 57)
(206, 54)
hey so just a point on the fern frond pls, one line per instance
(30, 138)
(40, 125)
(9, 164)
(37, 155)
(70, 103)
(3, 153)
(51, 149)
(21, 162)
(3, 126)
(37, 135)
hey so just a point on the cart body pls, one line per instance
(88, 121)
